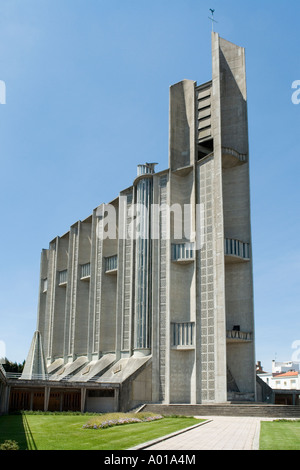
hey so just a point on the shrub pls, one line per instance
(9, 445)
(117, 419)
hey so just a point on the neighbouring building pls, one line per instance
(281, 367)
(284, 381)
(150, 298)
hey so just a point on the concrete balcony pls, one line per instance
(146, 169)
(232, 158)
(183, 253)
(236, 251)
(183, 336)
(237, 336)
(85, 272)
(63, 278)
(111, 264)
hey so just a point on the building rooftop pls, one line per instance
(287, 374)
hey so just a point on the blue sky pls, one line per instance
(87, 95)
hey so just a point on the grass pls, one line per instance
(66, 432)
(280, 435)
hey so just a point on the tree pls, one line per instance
(13, 366)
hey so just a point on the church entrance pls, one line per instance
(59, 400)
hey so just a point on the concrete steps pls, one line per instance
(227, 409)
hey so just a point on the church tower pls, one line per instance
(161, 311)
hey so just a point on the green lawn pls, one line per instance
(280, 435)
(62, 432)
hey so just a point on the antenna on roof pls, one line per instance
(212, 18)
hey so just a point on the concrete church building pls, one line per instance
(160, 311)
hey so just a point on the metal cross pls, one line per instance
(212, 18)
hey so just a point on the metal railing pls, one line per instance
(45, 377)
(111, 263)
(147, 169)
(240, 156)
(85, 270)
(62, 276)
(238, 335)
(237, 248)
(19, 375)
(183, 251)
(48, 377)
(182, 334)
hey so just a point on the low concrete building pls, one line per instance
(150, 298)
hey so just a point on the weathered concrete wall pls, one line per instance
(236, 209)
(182, 124)
(3, 391)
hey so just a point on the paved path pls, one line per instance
(220, 433)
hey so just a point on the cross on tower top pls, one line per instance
(212, 18)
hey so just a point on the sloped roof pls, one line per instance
(287, 374)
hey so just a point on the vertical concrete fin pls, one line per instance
(218, 232)
(234, 288)
(182, 124)
(233, 94)
(42, 290)
(35, 365)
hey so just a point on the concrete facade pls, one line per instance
(3, 391)
(151, 296)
